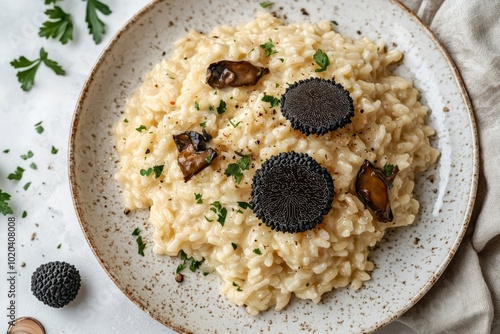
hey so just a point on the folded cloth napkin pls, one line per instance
(466, 299)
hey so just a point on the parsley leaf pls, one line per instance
(334, 22)
(243, 205)
(198, 198)
(273, 101)
(222, 107)
(234, 245)
(33, 166)
(61, 25)
(268, 48)
(95, 25)
(54, 150)
(234, 124)
(6, 151)
(322, 60)
(24, 215)
(27, 155)
(26, 186)
(220, 211)
(388, 169)
(257, 251)
(48, 2)
(196, 105)
(140, 245)
(17, 175)
(238, 288)
(203, 125)
(59, 246)
(39, 127)
(141, 127)
(5, 209)
(27, 77)
(266, 4)
(136, 232)
(146, 172)
(158, 170)
(234, 169)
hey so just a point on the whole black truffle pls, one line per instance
(291, 192)
(55, 283)
(317, 106)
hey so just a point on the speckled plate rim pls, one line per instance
(440, 269)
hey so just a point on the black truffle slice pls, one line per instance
(55, 283)
(317, 106)
(291, 192)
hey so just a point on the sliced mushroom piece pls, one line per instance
(372, 187)
(194, 155)
(226, 73)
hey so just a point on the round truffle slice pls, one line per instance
(317, 106)
(291, 192)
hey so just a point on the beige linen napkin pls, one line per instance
(466, 299)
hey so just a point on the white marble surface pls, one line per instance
(100, 307)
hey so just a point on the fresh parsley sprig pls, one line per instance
(266, 4)
(59, 26)
(27, 77)
(273, 101)
(95, 25)
(268, 48)
(322, 60)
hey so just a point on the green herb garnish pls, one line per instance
(59, 25)
(95, 25)
(38, 127)
(59, 246)
(388, 169)
(235, 169)
(196, 105)
(234, 124)
(257, 251)
(193, 266)
(266, 4)
(27, 77)
(54, 150)
(273, 101)
(6, 151)
(26, 186)
(136, 232)
(27, 155)
(198, 198)
(243, 205)
(238, 288)
(234, 245)
(220, 211)
(17, 175)
(33, 166)
(334, 23)
(322, 60)
(141, 128)
(5, 208)
(140, 245)
(24, 215)
(146, 172)
(269, 48)
(203, 125)
(158, 170)
(222, 107)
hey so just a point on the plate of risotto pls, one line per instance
(295, 167)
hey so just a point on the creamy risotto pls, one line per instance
(259, 267)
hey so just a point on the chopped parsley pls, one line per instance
(257, 251)
(136, 232)
(322, 60)
(59, 246)
(222, 107)
(266, 4)
(203, 125)
(24, 215)
(234, 124)
(198, 198)
(59, 25)
(5, 208)
(193, 263)
(273, 101)
(125, 120)
(238, 288)
(158, 170)
(141, 128)
(388, 169)
(244, 205)
(334, 23)
(140, 245)
(95, 25)
(235, 169)
(268, 48)
(211, 108)
(208, 219)
(33, 166)
(39, 127)
(146, 172)
(27, 155)
(17, 175)
(196, 105)
(220, 211)
(208, 160)
(26, 186)
(54, 150)
(6, 151)
(27, 77)
(234, 245)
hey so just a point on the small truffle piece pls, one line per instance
(291, 192)
(372, 187)
(317, 106)
(194, 155)
(55, 283)
(226, 73)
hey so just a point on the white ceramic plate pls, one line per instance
(408, 260)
